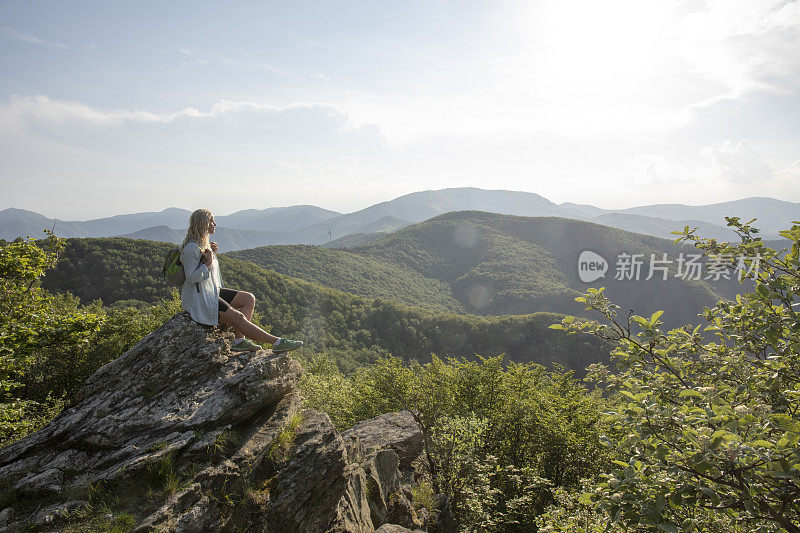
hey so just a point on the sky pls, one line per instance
(110, 108)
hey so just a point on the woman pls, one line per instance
(208, 303)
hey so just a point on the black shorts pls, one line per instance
(228, 295)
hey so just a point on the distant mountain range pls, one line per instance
(465, 262)
(19, 223)
(308, 224)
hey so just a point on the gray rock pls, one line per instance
(392, 528)
(385, 469)
(176, 381)
(383, 480)
(319, 490)
(387, 501)
(391, 431)
(41, 483)
(54, 515)
(355, 450)
(388, 447)
(223, 430)
(5, 517)
(400, 511)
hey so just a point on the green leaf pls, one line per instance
(655, 316)
(661, 503)
(703, 467)
(709, 493)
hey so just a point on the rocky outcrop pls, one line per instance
(391, 431)
(180, 434)
(388, 448)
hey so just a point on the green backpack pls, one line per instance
(173, 268)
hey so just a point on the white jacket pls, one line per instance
(200, 291)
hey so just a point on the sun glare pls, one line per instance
(608, 50)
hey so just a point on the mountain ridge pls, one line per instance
(308, 224)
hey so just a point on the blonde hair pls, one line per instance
(198, 229)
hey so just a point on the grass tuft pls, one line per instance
(101, 520)
(224, 443)
(422, 497)
(279, 447)
(162, 479)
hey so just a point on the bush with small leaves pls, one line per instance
(710, 416)
(31, 319)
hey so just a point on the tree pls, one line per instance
(708, 416)
(59, 371)
(31, 320)
(498, 437)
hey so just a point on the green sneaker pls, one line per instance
(245, 346)
(286, 345)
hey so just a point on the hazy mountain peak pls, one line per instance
(309, 224)
(175, 210)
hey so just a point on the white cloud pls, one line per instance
(258, 154)
(738, 162)
(724, 171)
(240, 64)
(300, 143)
(29, 38)
(650, 168)
(21, 111)
(788, 178)
(744, 45)
(722, 164)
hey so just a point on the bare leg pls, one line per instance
(243, 326)
(246, 304)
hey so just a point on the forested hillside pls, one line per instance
(493, 264)
(503, 264)
(473, 262)
(407, 293)
(352, 327)
(354, 273)
(110, 269)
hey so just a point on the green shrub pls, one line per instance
(708, 417)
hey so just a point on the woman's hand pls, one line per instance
(214, 246)
(209, 258)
